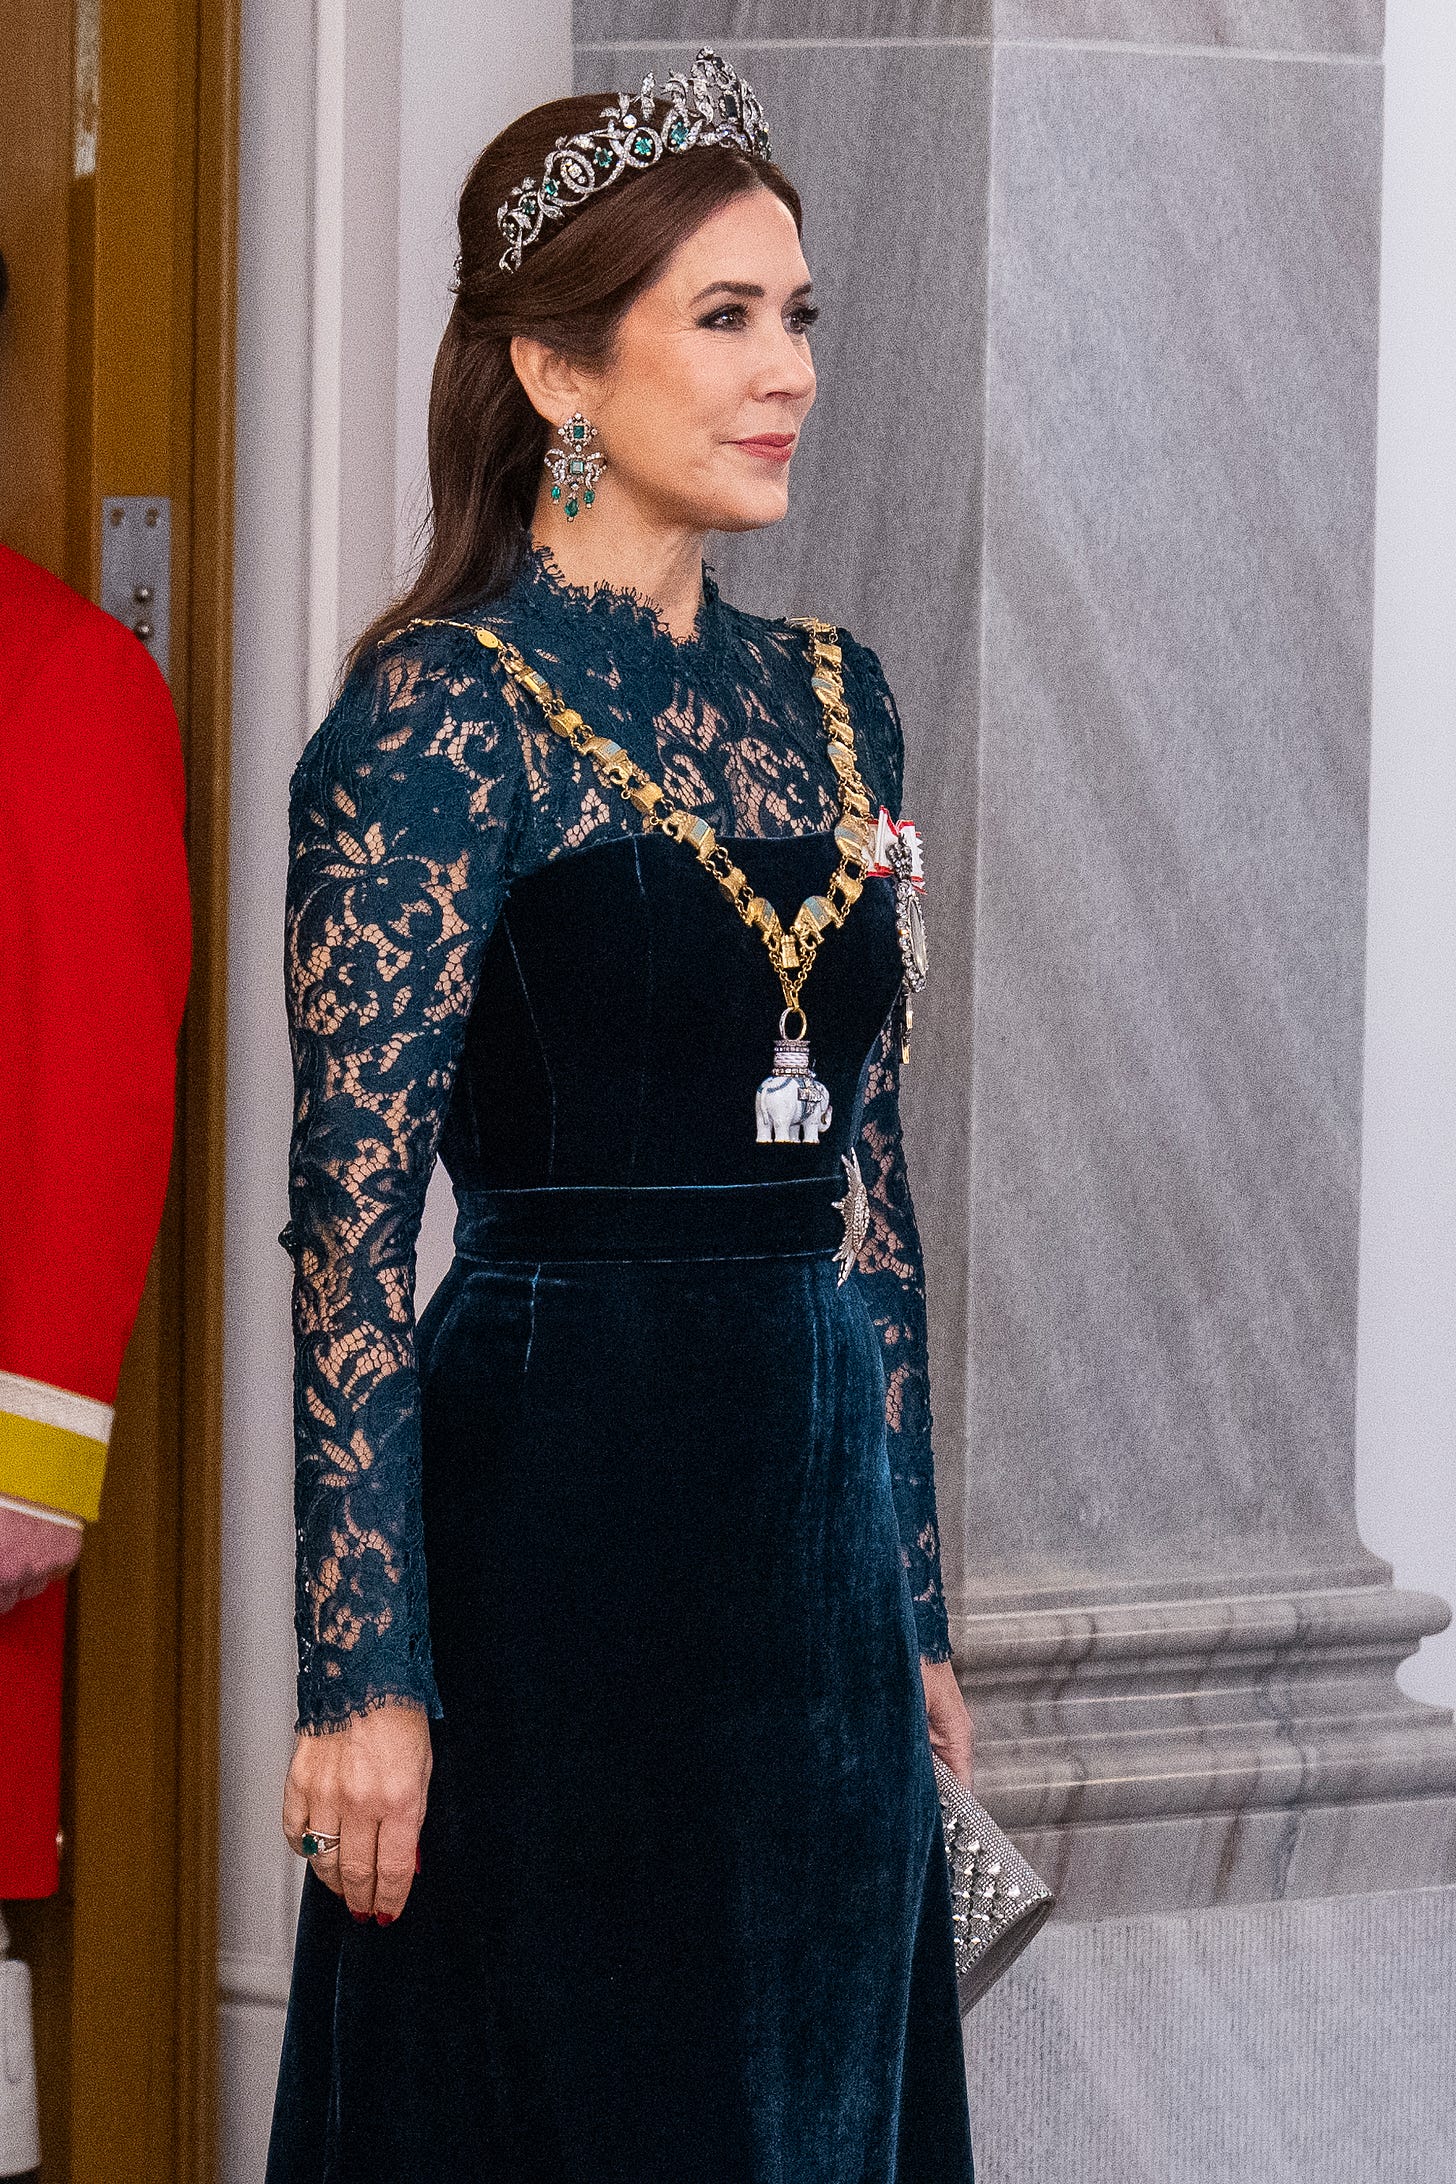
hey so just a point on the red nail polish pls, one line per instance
(419, 1862)
(360, 1918)
(384, 1918)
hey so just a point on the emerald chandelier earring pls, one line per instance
(575, 473)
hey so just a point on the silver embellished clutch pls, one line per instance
(997, 1901)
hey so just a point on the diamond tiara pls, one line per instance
(710, 104)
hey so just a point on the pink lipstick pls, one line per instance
(777, 446)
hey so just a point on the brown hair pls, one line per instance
(571, 289)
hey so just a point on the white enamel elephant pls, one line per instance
(792, 1107)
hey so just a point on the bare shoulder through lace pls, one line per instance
(431, 785)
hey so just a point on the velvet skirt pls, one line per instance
(683, 1910)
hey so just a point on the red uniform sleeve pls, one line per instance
(94, 957)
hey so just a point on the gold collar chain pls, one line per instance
(791, 951)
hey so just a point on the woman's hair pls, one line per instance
(571, 289)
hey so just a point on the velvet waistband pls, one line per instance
(795, 1217)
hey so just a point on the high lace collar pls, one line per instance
(540, 593)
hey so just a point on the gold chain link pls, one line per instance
(791, 952)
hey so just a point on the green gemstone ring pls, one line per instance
(314, 1844)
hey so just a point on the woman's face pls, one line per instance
(711, 376)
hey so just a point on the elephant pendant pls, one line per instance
(792, 1105)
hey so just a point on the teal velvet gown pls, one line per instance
(642, 1513)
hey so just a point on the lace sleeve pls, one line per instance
(402, 819)
(892, 1275)
(891, 1266)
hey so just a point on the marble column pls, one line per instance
(1183, 1657)
(1092, 469)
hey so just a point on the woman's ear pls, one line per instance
(554, 387)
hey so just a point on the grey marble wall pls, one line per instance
(1092, 468)
(1338, 28)
(1171, 827)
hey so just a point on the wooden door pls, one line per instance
(35, 153)
(117, 165)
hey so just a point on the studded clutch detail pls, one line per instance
(997, 1901)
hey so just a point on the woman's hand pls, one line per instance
(952, 1736)
(33, 1552)
(365, 1783)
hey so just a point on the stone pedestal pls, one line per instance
(1173, 1753)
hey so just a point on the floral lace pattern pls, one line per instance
(430, 786)
(891, 1273)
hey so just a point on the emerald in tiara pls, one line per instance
(708, 104)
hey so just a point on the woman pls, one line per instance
(676, 1904)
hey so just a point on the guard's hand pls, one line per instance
(365, 1783)
(952, 1735)
(33, 1553)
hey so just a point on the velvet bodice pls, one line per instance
(624, 1018)
(487, 958)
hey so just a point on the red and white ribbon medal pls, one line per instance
(897, 853)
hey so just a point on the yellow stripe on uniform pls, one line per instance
(52, 1445)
